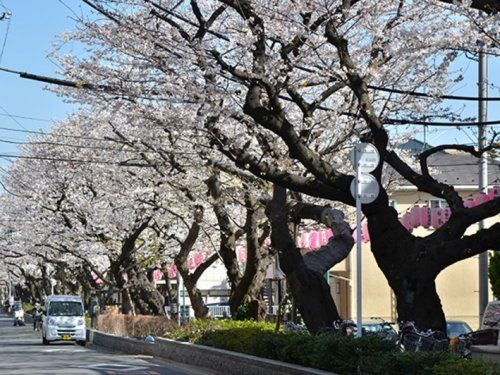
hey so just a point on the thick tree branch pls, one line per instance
(469, 149)
(271, 173)
(477, 243)
(425, 183)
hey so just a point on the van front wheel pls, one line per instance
(45, 341)
(81, 343)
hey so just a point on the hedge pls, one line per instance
(340, 354)
(138, 326)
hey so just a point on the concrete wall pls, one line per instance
(222, 361)
(486, 353)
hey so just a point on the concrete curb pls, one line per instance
(486, 353)
(222, 361)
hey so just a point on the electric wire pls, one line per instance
(26, 117)
(133, 150)
(5, 40)
(425, 95)
(387, 121)
(59, 135)
(12, 118)
(40, 143)
(79, 161)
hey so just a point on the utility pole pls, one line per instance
(483, 175)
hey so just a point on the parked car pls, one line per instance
(64, 320)
(456, 328)
(491, 317)
(381, 328)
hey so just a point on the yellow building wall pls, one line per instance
(457, 285)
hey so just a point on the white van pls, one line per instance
(64, 320)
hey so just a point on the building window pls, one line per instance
(438, 203)
(392, 203)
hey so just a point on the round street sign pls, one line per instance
(365, 156)
(368, 188)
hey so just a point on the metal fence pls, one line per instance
(218, 310)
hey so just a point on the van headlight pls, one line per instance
(52, 322)
(80, 322)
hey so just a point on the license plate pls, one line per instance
(66, 337)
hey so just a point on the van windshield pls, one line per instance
(63, 308)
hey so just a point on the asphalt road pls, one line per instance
(22, 352)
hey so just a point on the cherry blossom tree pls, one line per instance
(283, 89)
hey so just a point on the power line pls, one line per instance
(35, 143)
(3, 6)
(27, 117)
(396, 122)
(80, 161)
(5, 38)
(60, 135)
(13, 118)
(425, 95)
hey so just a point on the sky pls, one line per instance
(35, 24)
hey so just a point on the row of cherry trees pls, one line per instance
(208, 103)
(93, 207)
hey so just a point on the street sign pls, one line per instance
(365, 156)
(368, 188)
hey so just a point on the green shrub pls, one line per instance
(241, 336)
(192, 330)
(348, 355)
(395, 362)
(465, 367)
(242, 313)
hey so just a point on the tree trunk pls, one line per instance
(418, 301)
(146, 297)
(411, 265)
(127, 304)
(197, 303)
(309, 288)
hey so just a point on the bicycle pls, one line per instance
(461, 344)
(291, 327)
(411, 339)
(339, 326)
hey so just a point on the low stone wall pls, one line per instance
(486, 353)
(221, 361)
(122, 344)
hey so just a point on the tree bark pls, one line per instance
(181, 263)
(259, 257)
(411, 265)
(309, 288)
(146, 297)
